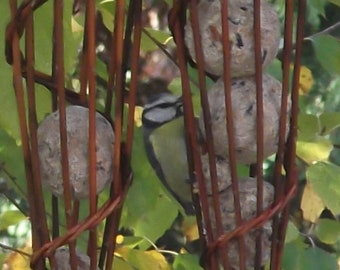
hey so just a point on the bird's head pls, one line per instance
(160, 109)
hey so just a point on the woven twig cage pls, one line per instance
(125, 46)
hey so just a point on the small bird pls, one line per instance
(165, 144)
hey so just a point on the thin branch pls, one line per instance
(160, 250)
(310, 239)
(15, 250)
(324, 32)
(13, 179)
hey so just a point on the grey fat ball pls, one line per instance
(248, 201)
(62, 257)
(77, 128)
(241, 36)
(222, 170)
(243, 98)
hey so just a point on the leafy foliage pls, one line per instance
(8, 121)
(327, 52)
(298, 256)
(186, 261)
(10, 217)
(325, 179)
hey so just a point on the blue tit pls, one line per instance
(165, 144)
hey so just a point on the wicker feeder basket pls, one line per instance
(242, 222)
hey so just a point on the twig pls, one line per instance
(15, 250)
(13, 179)
(160, 250)
(309, 238)
(325, 31)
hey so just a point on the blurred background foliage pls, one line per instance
(150, 239)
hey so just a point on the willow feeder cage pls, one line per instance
(246, 116)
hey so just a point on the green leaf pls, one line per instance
(275, 69)
(151, 221)
(169, 2)
(316, 259)
(319, 5)
(146, 260)
(308, 127)
(9, 218)
(8, 108)
(327, 51)
(329, 122)
(3, 257)
(175, 87)
(292, 254)
(121, 264)
(242, 170)
(335, 2)
(297, 257)
(186, 261)
(311, 204)
(43, 31)
(43, 60)
(311, 152)
(328, 231)
(101, 69)
(194, 79)
(12, 158)
(292, 232)
(311, 146)
(43, 102)
(132, 241)
(325, 180)
(108, 9)
(147, 44)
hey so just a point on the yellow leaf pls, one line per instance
(17, 261)
(138, 116)
(306, 80)
(190, 229)
(311, 152)
(122, 251)
(311, 204)
(75, 26)
(160, 260)
(143, 260)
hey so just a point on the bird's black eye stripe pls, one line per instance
(166, 105)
